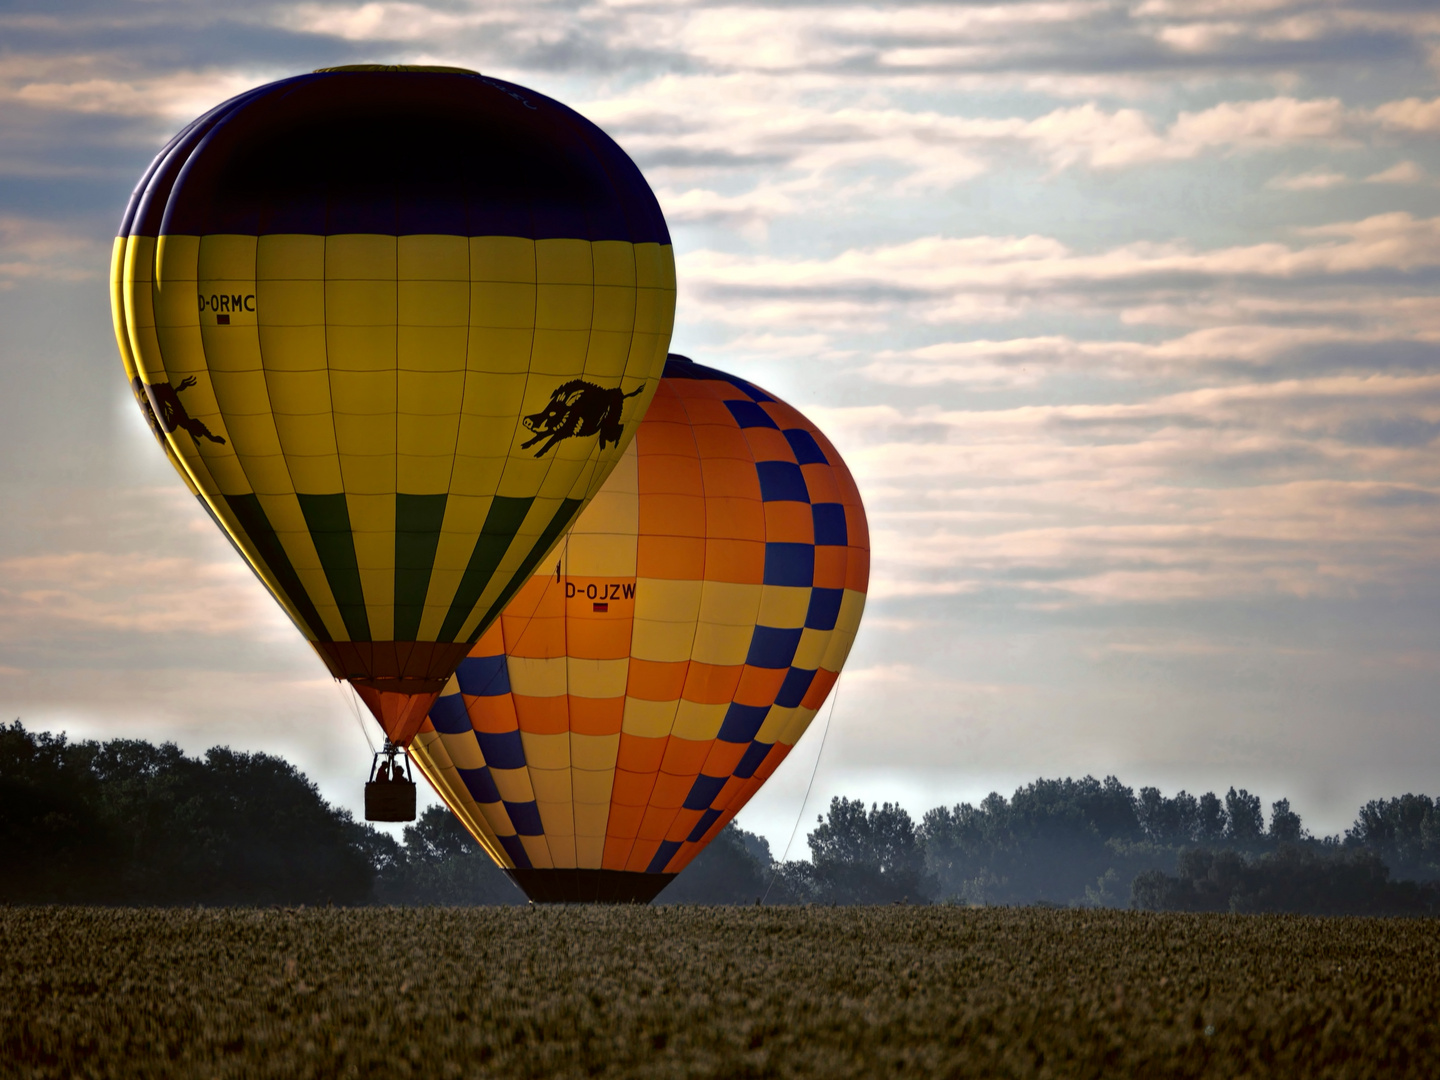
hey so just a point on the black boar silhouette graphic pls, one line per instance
(578, 408)
(163, 408)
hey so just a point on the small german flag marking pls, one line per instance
(602, 607)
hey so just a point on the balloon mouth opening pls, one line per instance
(434, 69)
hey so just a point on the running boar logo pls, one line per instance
(578, 408)
(163, 409)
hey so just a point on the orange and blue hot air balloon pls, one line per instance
(653, 673)
(394, 327)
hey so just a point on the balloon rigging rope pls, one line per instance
(800, 816)
(355, 711)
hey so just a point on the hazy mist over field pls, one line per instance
(1124, 315)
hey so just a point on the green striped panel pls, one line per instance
(328, 519)
(496, 535)
(417, 535)
(256, 526)
(558, 524)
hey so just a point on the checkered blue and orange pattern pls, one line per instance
(635, 694)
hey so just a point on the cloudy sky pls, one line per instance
(1123, 312)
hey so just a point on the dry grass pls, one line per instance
(695, 992)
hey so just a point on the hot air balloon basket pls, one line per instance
(390, 791)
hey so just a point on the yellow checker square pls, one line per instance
(564, 261)
(548, 759)
(360, 303)
(775, 721)
(429, 393)
(293, 348)
(614, 262)
(810, 653)
(497, 818)
(431, 348)
(371, 514)
(464, 750)
(615, 308)
(315, 474)
(499, 353)
(727, 603)
(664, 641)
(363, 435)
(231, 348)
(491, 397)
(523, 475)
(226, 255)
(650, 269)
(796, 725)
(592, 786)
(784, 606)
(372, 474)
(502, 258)
(184, 350)
(427, 475)
(290, 303)
(433, 257)
(229, 477)
(559, 353)
(601, 556)
(562, 850)
(538, 851)
(301, 393)
(434, 303)
(555, 813)
(177, 260)
(253, 434)
(608, 356)
(660, 599)
(476, 477)
(139, 262)
(290, 257)
(241, 393)
(698, 722)
(359, 348)
(360, 256)
(502, 305)
(175, 303)
(597, 678)
(594, 753)
(564, 307)
(648, 719)
(268, 473)
(724, 646)
(535, 677)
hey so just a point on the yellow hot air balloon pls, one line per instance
(394, 327)
(651, 676)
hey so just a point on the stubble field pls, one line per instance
(713, 992)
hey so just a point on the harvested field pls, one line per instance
(713, 992)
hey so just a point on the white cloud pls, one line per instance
(1314, 180)
(1402, 172)
(36, 249)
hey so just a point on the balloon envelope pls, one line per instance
(394, 328)
(655, 671)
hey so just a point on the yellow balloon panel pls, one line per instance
(649, 678)
(394, 327)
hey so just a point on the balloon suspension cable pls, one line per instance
(350, 700)
(799, 817)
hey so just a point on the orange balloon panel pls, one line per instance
(635, 694)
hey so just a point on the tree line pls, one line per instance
(128, 822)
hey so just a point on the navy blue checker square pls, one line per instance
(703, 792)
(448, 715)
(516, 850)
(703, 825)
(772, 647)
(824, 608)
(663, 854)
(790, 564)
(749, 414)
(483, 676)
(525, 816)
(792, 690)
(742, 722)
(830, 528)
(480, 784)
(782, 481)
(754, 755)
(502, 751)
(807, 450)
